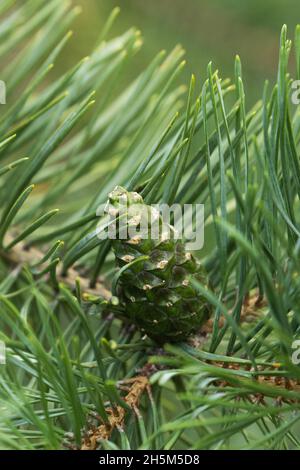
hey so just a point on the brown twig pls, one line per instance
(21, 254)
(251, 310)
(116, 415)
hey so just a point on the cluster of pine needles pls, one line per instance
(75, 376)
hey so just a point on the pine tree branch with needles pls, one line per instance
(76, 349)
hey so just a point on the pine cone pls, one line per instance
(154, 288)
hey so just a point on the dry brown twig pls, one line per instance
(116, 415)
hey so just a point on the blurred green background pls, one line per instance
(208, 29)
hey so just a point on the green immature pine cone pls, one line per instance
(153, 281)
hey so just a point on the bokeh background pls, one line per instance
(208, 29)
